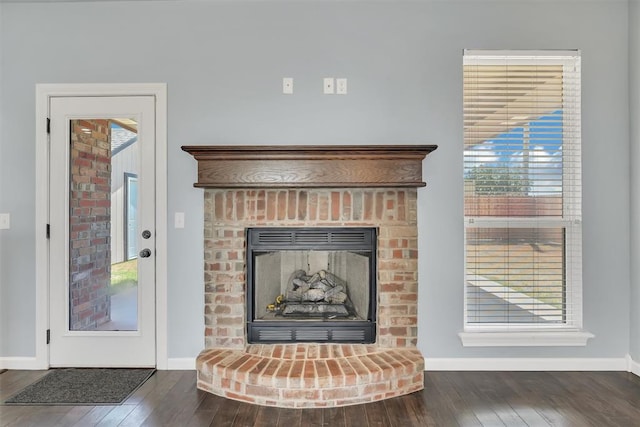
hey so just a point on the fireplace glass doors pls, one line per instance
(311, 284)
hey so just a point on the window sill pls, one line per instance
(525, 338)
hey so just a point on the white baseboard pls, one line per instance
(527, 364)
(24, 363)
(633, 366)
(32, 363)
(181, 364)
(431, 364)
(493, 364)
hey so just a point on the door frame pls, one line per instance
(44, 92)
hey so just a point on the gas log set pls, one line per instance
(322, 294)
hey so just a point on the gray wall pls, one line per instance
(634, 75)
(223, 63)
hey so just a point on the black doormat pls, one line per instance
(82, 386)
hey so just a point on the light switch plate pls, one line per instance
(5, 221)
(179, 220)
(341, 86)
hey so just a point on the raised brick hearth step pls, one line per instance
(310, 375)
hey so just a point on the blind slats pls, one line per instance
(522, 162)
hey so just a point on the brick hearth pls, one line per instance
(309, 374)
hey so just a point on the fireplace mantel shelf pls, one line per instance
(314, 166)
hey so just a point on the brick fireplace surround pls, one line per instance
(306, 186)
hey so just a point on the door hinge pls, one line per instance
(48, 231)
(48, 125)
(48, 336)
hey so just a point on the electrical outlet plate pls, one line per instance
(328, 86)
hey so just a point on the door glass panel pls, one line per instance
(103, 198)
(131, 214)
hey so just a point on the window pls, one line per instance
(522, 191)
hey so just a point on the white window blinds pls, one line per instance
(522, 192)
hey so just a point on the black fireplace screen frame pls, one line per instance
(261, 240)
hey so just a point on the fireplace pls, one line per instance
(308, 284)
(331, 353)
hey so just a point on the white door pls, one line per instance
(101, 302)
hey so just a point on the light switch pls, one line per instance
(5, 221)
(341, 86)
(179, 220)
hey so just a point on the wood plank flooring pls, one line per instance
(170, 398)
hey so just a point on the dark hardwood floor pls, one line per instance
(170, 398)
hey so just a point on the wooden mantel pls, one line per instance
(316, 166)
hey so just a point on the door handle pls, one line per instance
(145, 253)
